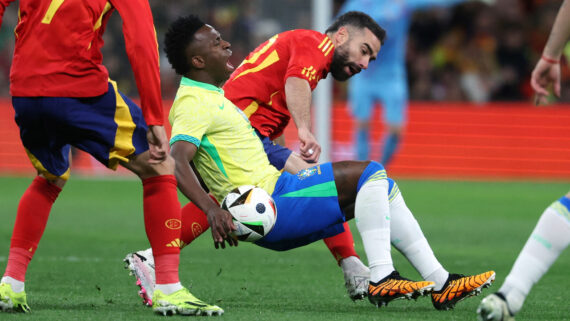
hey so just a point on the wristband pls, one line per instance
(550, 60)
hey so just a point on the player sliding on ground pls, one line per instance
(211, 132)
(274, 85)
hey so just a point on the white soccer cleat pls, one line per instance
(356, 277)
(494, 308)
(141, 265)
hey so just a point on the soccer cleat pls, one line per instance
(141, 265)
(182, 302)
(458, 287)
(494, 308)
(12, 301)
(396, 287)
(356, 277)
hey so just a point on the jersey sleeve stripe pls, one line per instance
(329, 50)
(272, 58)
(185, 138)
(323, 42)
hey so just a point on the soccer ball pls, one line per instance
(253, 211)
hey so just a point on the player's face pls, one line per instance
(216, 53)
(354, 54)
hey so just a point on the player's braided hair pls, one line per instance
(179, 35)
(359, 20)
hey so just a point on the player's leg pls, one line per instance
(162, 216)
(394, 103)
(408, 238)
(50, 156)
(366, 185)
(361, 103)
(141, 263)
(549, 238)
(341, 246)
(391, 143)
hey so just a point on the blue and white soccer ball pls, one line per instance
(253, 211)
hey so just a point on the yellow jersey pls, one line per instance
(230, 153)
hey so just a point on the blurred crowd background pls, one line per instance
(470, 52)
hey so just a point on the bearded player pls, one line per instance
(275, 83)
(210, 131)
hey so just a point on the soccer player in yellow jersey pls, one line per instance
(211, 132)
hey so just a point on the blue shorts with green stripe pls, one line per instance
(307, 209)
(307, 205)
(110, 127)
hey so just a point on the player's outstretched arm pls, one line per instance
(547, 70)
(142, 50)
(220, 220)
(298, 98)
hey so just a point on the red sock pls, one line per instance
(341, 245)
(168, 265)
(194, 223)
(162, 222)
(33, 212)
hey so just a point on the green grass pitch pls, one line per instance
(77, 272)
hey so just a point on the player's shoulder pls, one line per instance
(196, 98)
(303, 36)
(310, 42)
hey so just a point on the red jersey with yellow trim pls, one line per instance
(257, 86)
(58, 50)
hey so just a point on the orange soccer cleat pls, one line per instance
(396, 287)
(458, 287)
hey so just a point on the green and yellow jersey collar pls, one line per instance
(193, 83)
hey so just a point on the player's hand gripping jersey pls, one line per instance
(53, 59)
(257, 86)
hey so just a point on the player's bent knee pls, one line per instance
(140, 165)
(376, 166)
(374, 171)
(57, 181)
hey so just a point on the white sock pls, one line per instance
(408, 238)
(17, 286)
(372, 216)
(168, 288)
(548, 239)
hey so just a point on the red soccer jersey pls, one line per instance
(257, 86)
(58, 50)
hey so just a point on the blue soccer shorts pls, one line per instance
(307, 209)
(276, 153)
(307, 205)
(110, 127)
(363, 97)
